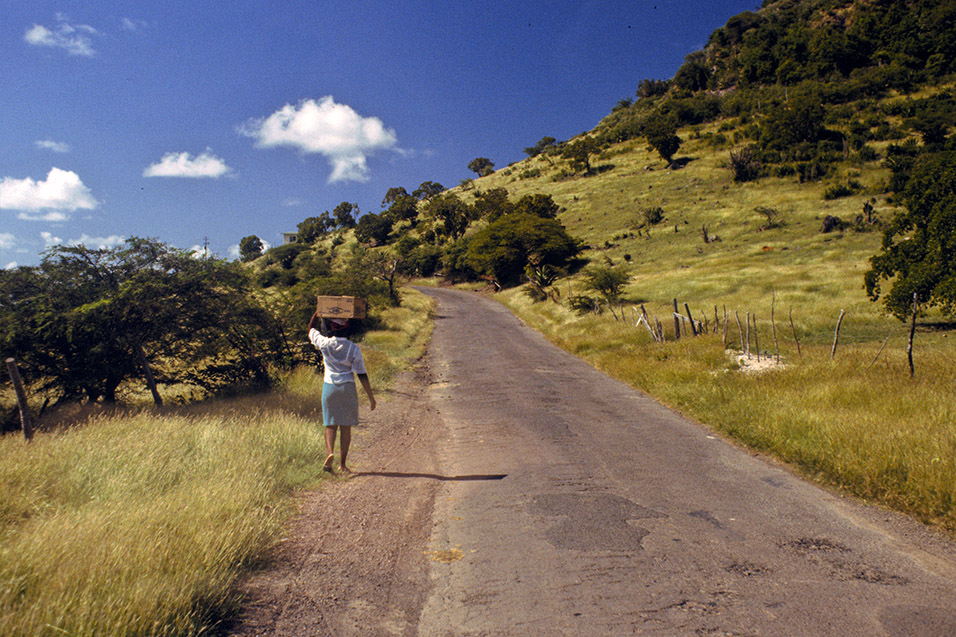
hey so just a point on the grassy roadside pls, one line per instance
(870, 430)
(140, 523)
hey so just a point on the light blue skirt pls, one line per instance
(339, 405)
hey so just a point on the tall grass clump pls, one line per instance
(140, 523)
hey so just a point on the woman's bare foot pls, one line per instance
(328, 462)
(344, 469)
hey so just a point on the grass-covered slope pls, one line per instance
(744, 263)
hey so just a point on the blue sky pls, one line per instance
(200, 121)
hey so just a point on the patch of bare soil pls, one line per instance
(755, 364)
(353, 561)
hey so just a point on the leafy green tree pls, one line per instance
(608, 281)
(250, 248)
(622, 104)
(344, 214)
(580, 151)
(502, 249)
(694, 74)
(800, 121)
(392, 194)
(427, 190)
(404, 208)
(310, 229)
(648, 88)
(492, 203)
(454, 261)
(77, 322)
(481, 166)
(537, 204)
(544, 144)
(451, 214)
(373, 229)
(919, 245)
(285, 255)
(661, 132)
(386, 266)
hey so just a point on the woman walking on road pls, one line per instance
(342, 359)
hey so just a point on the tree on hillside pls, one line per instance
(544, 144)
(919, 245)
(285, 254)
(580, 151)
(310, 229)
(502, 249)
(404, 208)
(373, 229)
(482, 166)
(344, 214)
(427, 190)
(451, 214)
(392, 194)
(250, 248)
(661, 132)
(492, 203)
(694, 73)
(385, 265)
(78, 322)
(798, 121)
(648, 88)
(537, 204)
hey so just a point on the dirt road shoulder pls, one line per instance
(352, 562)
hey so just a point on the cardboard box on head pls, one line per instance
(342, 307)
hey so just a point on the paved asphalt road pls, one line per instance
(583, 507)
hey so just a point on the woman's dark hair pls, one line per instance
(352, 330)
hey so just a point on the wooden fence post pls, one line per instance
(794, 330)
(756, 338)
(879, 352)
(773, 324)
(725, 327)
(909, 345)
(693, 328)
(836, 334)
(747, 317)
(676, 322)
(25, 423)
(740, 331)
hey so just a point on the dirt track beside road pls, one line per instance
(353, 561)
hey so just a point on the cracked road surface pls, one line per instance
(618, 516)
(511, 489)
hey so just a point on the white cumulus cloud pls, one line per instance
(94, 243)
(7, 241)
(321, 126)
(204, 165)
(50, 240)
(56, 147)
(97, 243)
(61, 192)
(73, 38)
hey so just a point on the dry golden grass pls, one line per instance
(139, 523)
